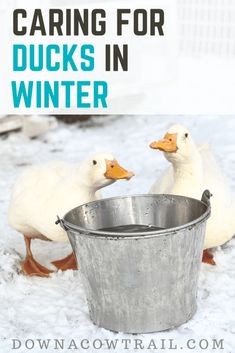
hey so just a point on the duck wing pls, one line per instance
(221, 224)
(214, 179)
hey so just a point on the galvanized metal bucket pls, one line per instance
(139, 282)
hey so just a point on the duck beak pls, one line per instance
(115, 171)
(167, 144)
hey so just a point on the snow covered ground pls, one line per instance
(55, 308)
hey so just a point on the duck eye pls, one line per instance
(94, 162)
(112, 165)
(186, 135)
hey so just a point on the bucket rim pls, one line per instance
(122, 235)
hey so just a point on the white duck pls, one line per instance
(194, 169)
(44, 191)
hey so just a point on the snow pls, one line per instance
(55, 308)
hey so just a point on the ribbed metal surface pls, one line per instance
(144, 283)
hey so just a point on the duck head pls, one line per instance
(103, 169)
(177, 145)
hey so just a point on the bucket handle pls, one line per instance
(61, 223)
(206, 197)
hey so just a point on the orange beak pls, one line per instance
(167, 144)
(115, 171)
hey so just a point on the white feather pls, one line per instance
(44, 191)
(192, 178)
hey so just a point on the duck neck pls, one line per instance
(77, 180)
(190, 171)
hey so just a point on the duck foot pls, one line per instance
(68, 263)
(208, 258)
(31, 267)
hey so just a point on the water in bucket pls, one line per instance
(132, 228)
